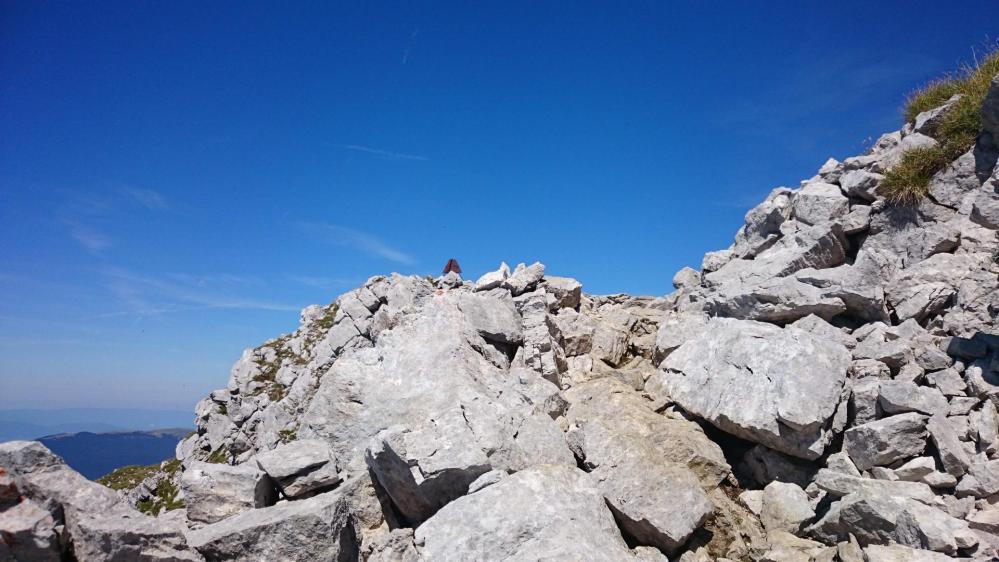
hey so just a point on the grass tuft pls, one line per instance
(164, 496)
(932, 95)
(219, 456)
(127, 477)
(907, 182)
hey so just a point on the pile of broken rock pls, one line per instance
(824, 389)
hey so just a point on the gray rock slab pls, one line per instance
(777, 387)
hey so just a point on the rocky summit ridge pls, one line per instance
(824, 389)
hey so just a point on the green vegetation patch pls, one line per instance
(907, 182)
(164, 499)
(269, 369)
(328, 319)
(219, 456)
(128, 477)
(164, 496)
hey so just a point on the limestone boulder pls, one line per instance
(762, 223)
(496, 319)
(432, 363)
(777, 387)
(785, 507)
(493, 279)
(900, 553)
(524, 278)
(612, 425)
(543, 513)
(948, 444)
(861, 184)
(300, 467)
(875, 518)
(887, 440)
(28, 532)
(928, 286)
(657, 503)
(317, 528)
(819, 202)
(981, 480)
(213, 492)
(97, 524)
(565, 292)
(839, 484)
(896, 397)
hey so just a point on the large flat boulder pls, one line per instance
(546, 512)
(300, 467)
(98, 525)
(777, 387)
(656, 503)
(610, 424)
(878, 518)
(213, 492)
(496, 319)
(425, 468)
(817, 247)
(839, 484)
(317, 528)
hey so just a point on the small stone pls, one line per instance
(785, 507)
(882, 442)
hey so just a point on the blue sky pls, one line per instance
(178, 179)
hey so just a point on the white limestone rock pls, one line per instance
(777, 387)
(657, 503)
(300, 467)
(493, 279)
(819, 202)
(877, 518)
(860, 183)
(575, 332)
(839, 484)
(981, 480)
(952, 454)
(98, 525)
(884, 441)
(565, 292)
(762, 223)
(213, 492)
(612, 425)
(897, 397)
(543, 513)
(316, 528)
(496, 319)
(785, 507)
(28, 532)
(524, 278)
(900, 553)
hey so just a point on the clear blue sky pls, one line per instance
(178, 179)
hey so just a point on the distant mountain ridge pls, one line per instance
(96, 454)
(35, 423)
